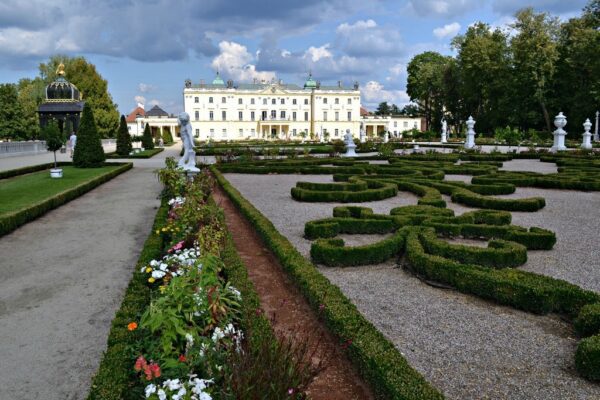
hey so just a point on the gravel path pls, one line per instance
(469, 348)
(63, 278)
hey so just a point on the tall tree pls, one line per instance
(425, 85)
(31, 92)
(93, 87)
(483, 71)
(12, 122)
(383, 108)
(535, 53)
(88, 148)
(123, 138)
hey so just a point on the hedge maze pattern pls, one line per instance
(417, 232)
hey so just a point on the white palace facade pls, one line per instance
(271, 110)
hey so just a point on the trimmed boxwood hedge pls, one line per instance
(587, 358)
(144, 154)
(380, 363)
(347, 193)
(12, 221)
(587, 322)
(31, 168)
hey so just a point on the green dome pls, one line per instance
(310, 83)
(218, 80)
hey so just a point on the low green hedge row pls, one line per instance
(588, 320)
(587, 358)
(115, 373)
(9, 173)
(332, 253)
(144, 154)
(12, 221)
(380, 363)
(323, 193)
(330, 227)
(568, 179)
(351, 186)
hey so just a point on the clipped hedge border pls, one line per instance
(346, 193)
(379, 362)
(115, 373)
(149, 154)
(12, 221)
(29, 169)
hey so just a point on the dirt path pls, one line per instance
(280, 299)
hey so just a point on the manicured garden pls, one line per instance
(25, 197)
(426, 240)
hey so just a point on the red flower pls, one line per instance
(140, 364)
(154, 370)
(182, 358)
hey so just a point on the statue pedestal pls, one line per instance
(559, 142)
(350, 147)
(587, 141)
(444, 140)
(190, 174)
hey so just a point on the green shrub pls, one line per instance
(123, 138)
(54, 138)
(587, 358)
(587, 322)
(88, 148)
(147, 140)
(347, 193)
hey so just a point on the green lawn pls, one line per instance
(23, 191)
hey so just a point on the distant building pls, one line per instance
(396, 125)
(158, 119)
(62, 104)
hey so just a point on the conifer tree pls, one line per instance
(88, 148)
(123, 139)
(147, 140)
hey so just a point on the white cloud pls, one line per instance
(140, 99)
(235, 61)
(317, 53)
(366, 38)
(146, 87)
(443, 8)
(446, 31)
(155, 102)
(374, 92)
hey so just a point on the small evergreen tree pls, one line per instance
(123, 138)
(88, 148)
(53, 137)
(147, 141)
(167, 137)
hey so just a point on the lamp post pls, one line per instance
(596, 137)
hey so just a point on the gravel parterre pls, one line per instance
(467, 347)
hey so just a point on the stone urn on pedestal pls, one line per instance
(560, 121)
(350, 146)
(470, 140)
(586, 144)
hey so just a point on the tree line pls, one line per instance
(519, 77)
(19, 101)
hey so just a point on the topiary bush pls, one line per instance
(54, 138)
(123, 138)
(587, 322)
(88, 148)
(147, 140)
(587, 358)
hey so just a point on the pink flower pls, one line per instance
(291, 391)
(140, 363)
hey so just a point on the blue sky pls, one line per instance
(146, 49)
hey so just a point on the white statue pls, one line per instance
(188, 161)
(587, 135)
(560, 121)
(444, 131)
(470, 142)
(363, 135)
(350, 146)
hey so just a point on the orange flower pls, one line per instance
(132, 326)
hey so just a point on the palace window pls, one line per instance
(282, 114)
(395, 124)
(252, 100)
(196, 100)
(294, 115)
(324, 115)
(293, 132)
(252, 115)
(212, 132)
(240, 101)
(349, 115)
(197, 115)
(241, 132)
(337, 100)
(294, 101)
(324, 100)
(264, 116)
(223, 115)
(224, 133)
(306, 115)
(282, 101)
(265, 102)
(406, 124)
(349, 101)
(197, 132)
(336, 132)
(337, 115)
(241, 115)
(223, 100)
(273, 101)
(273, 114)
(210, 99)
(305, 102)
(211, 115)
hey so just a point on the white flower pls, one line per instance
(190, 339)
(217, 335)
(163, 266)
(172, 384)
(150, 389)
(205, 396)
(229, 329)
(158, 274)
(162, 395)
(153, 263)
(235, 292)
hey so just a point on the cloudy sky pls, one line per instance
(146, 49)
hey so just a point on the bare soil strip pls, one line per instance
(290, 312)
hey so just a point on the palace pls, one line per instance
(274, 110)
